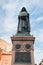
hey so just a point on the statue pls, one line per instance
(23, 23)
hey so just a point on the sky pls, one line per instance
(9, 11)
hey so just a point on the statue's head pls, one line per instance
(23, 13)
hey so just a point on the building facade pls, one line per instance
(5, 53)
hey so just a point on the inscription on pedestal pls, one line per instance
(22, 57)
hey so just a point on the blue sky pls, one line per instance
(9, 10)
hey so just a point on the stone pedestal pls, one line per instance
(23, 50)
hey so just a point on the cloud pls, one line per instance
(10, 6)
(38, 54)
(39, 35)
(39, 19)
(6, 37)
(10, 24)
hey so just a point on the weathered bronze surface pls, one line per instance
(23, 23)
(23, 57)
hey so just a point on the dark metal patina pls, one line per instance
(23, 23)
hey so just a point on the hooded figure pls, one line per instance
(23, 24)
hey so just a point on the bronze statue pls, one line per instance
(23, 23)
